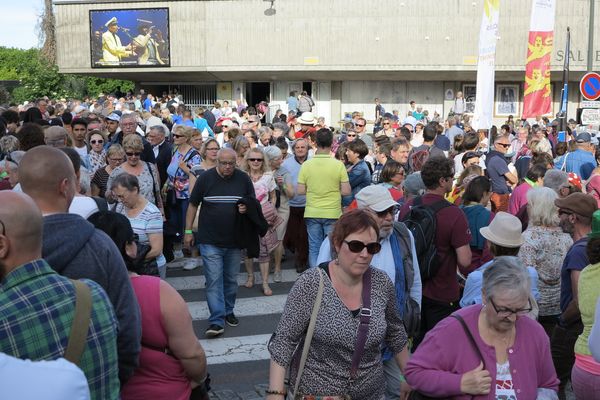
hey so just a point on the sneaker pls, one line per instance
(190, 265)
(232, 320)
(214, 331)
(277, 277)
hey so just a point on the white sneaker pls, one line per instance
(177, 254)
(190, 265)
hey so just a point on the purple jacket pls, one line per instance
(437, 366)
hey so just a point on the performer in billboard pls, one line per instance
(112, 49)
(146, 47)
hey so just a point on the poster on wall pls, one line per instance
(469, 91)
(507, 100)
(128, 38)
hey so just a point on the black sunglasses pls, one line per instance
(99, 141)
(358, 125)
(131, 154)
(356, 246)
(255, 159)
(505, 145)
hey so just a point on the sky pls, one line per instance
(18, 21)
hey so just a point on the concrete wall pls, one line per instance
(311, 37)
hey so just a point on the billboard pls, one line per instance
(130, 38)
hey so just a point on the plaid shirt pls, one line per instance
(36, 311)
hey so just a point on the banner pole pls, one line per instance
(565, 91)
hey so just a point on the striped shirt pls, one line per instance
(36, 312)
(147, 222)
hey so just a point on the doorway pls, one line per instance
(257, 92)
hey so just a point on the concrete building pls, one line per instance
(343, 52)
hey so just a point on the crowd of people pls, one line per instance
(434, 259)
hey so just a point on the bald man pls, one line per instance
(38, 304)
(75, 249)
(219, 190)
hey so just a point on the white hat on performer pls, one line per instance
(112, 21)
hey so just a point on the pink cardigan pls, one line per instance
(437, 366)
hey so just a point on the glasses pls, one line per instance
(226, 163)
(99, 141)
(564, 212)
(178, 136)
(359, 126)
(213, 149)
(132, 154)
(255, 159)
(392, 210)
(505, 312)
(351, 135)
(386, 123)
(505, 145)
(115, 159)
(356, 246)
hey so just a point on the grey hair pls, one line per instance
(282, 127)
(542, 211)
(505, 273)
(84, 180)
(127, 181)
(132, 116)
(159, 128)
(8, 144)
(272, 152)
(556, 179)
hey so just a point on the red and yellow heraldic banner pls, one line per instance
(538, 90)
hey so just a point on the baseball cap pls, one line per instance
(113, 117)
(584, 137)
(375, 197)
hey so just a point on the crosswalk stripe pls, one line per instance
(243, 307)
(236, 349)
(199, 282)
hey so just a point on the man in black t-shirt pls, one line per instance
(219, 190)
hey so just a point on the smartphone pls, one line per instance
(562, 136)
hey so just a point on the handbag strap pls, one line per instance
(470, 336)
(363, 327)
(310, 331)
(81, 322)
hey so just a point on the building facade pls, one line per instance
(343, 52)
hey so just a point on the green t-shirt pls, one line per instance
(588, 293)
(322, 176)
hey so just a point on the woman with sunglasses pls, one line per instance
(264, 187)
(498, 353)
(352, 290)
(115, 156)
(97, 153)
(145, 172)
(180, 180)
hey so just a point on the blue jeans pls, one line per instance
(221, 267)
(318, 229)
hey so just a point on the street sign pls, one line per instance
(587, 104)
(589, 86)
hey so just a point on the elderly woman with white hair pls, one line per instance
(488, 350)
(544, 248)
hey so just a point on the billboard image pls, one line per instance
(130, 38)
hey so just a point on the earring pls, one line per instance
(336, 261)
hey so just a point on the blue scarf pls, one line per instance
(399, 284)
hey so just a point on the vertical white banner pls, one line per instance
(486, 63)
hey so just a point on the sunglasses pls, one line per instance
(358, 126)
(505, 145)
(178, 136)
(132, 154)
(392, 210)
(356, 246)
(99, 141)
(255, 159)
(351, 135)
(386, 123)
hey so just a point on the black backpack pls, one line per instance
(421, 222)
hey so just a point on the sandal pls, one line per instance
(250, 281)
(266, 290)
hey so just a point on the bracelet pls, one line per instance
(279, 392)
(188, 232)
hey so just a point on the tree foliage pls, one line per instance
(41, 78)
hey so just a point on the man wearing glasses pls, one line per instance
(360, 127)
(497, 169)
(219, 190)
(129, 126)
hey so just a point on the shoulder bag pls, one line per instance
(419, 396)
(80, 324)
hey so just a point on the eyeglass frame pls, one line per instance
(523, 311)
